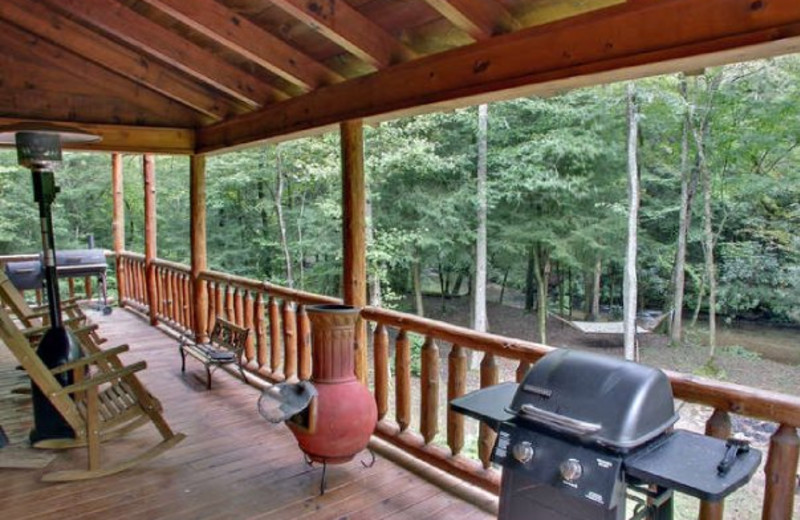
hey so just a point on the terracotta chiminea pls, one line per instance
(345, 410)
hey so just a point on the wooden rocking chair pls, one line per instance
(105, 403)
(35, 320)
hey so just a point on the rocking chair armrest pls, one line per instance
(90, 360)
(104, 377)
(31, 332)
(85, 328)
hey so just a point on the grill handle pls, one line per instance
(560, 421)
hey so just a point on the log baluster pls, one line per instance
(289, 341)
(781, 474)
(220, 300)
(380, 342)
(522, 369)
(177, 280)
(159, 292)
(238, 307)
(274, 338)
(718, 426)
(230, 311)
(250, 346)
(188, 295)
(402, 370)
(456, 387)
(170, 296)
(212, 306)
(87, 287)
(429, 390)
(71, 287)
(261, 334)
(38, 293)
(486, 436)
(303, 344)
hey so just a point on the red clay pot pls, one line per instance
(346, 413)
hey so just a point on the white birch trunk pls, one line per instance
(480, 320)
(629, 281)
(679, 272)
(279, 212)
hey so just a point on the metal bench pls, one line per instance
(225, 345)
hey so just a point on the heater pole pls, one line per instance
(44, 192)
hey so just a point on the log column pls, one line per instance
(354, 233)
(149, 171)
(197, 194)
(118, 224)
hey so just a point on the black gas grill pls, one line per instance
(75, 263)
(583, 432)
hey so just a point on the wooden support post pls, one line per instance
(354, 232)
(781, 474)
(197, 196)
(118, 225)
(149, 171)
(718, 426)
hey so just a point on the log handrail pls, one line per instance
(305, 298)
(731, 397)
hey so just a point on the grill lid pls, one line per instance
(599, 399)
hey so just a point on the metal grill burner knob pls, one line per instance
(523, 452)
(571, 470)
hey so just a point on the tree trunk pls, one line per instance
(530, 280)
(688, 183)
(301, 259)
(375, 294)
(708, 250)
(629, 284)
(598, 272)
(480, 320)
(416, 273)
(503, 285)
(279, 214)
(541, 260)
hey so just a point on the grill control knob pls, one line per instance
(571, 470)
(523, 452)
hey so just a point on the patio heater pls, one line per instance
(39, 149)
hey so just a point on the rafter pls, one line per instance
(348, 28)
(126, 138)
(481, 19)
(235, 32)
(630, 40)
(151, 38)
(37, 19)
(59, 71)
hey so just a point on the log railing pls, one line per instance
(280, 350)
(133, 286)
(279, 347)
(174, 295)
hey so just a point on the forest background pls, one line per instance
(555, 196)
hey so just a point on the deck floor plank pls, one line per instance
(231, 465)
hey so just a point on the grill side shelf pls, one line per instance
(687, 462)
(487, 404)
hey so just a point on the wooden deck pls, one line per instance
(233, 464)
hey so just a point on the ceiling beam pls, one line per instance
(235, 32)
(122, 138)
(481, 19)
(45, 67)
(38, 19)
(151, 38)
(634, 39)
(348, 28)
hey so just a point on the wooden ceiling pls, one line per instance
(197, 76)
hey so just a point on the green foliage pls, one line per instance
(556, 183)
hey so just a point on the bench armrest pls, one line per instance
(90, 360)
